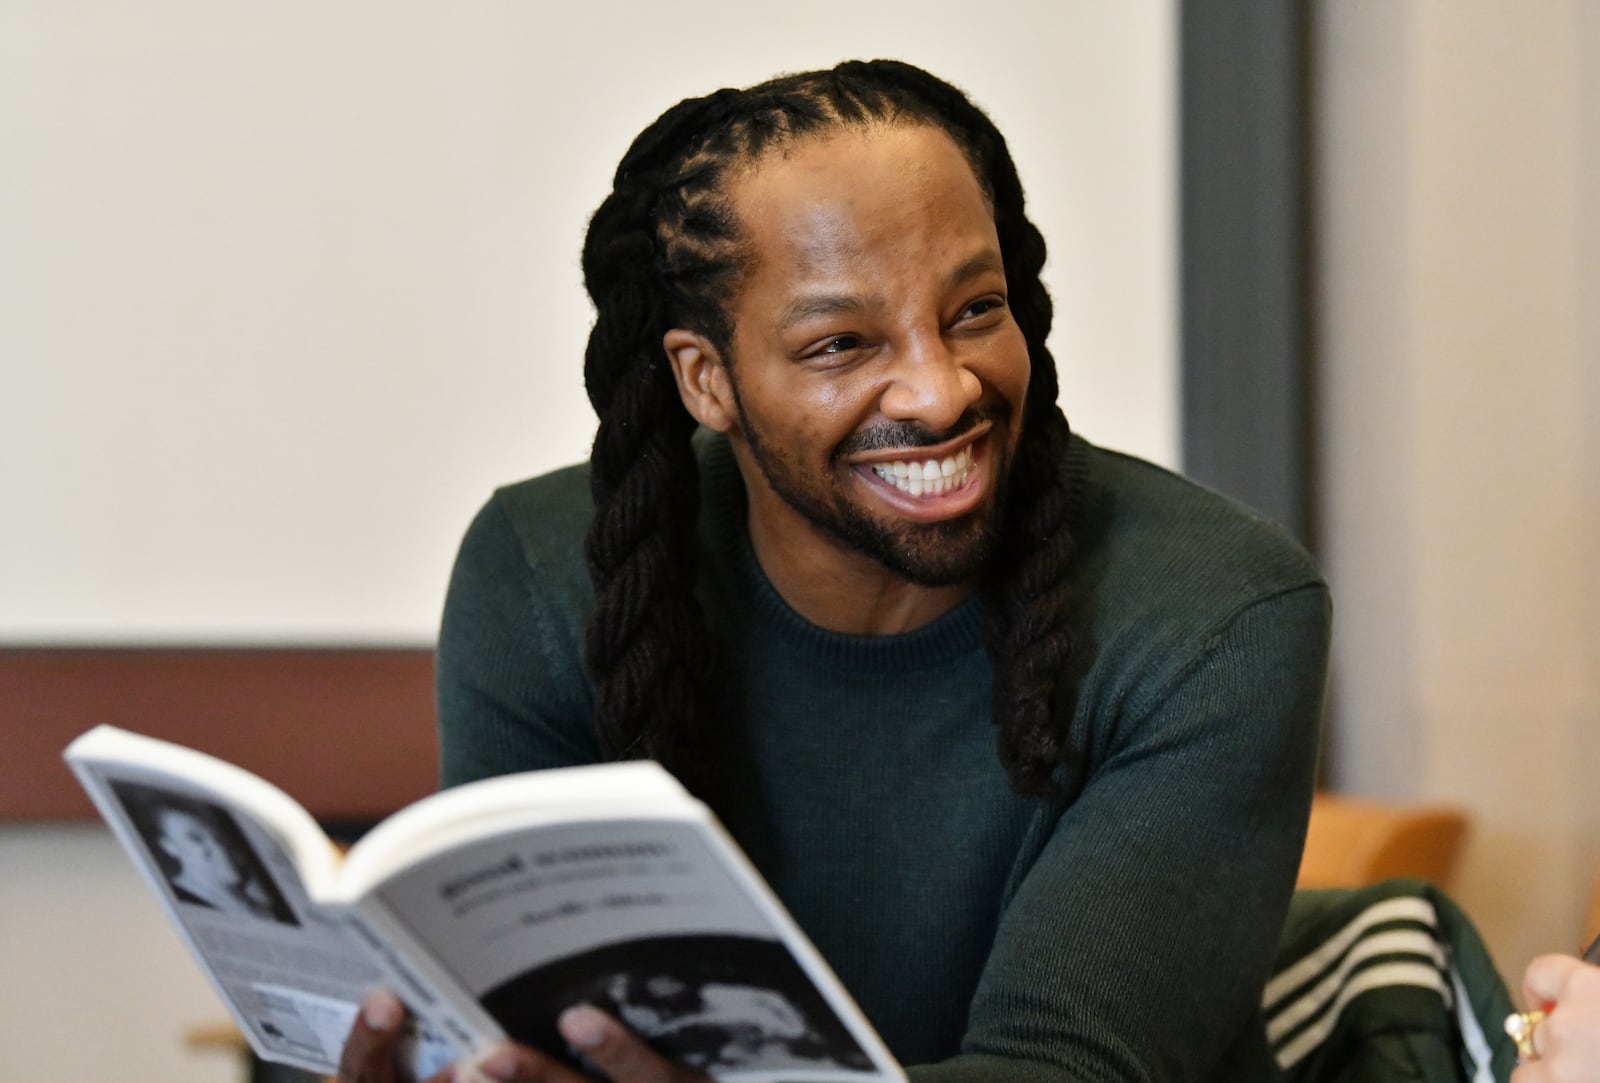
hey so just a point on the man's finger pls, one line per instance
(622, 1055)
(368, 1055)
(510, 1063)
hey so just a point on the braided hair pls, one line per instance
(665, 250)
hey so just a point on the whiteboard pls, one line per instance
(286, 289)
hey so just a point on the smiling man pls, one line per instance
(1020, 730)
(873, 382)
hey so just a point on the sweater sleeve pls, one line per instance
(1137, 945)
(508, 671)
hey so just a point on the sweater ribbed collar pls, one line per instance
(745, 585)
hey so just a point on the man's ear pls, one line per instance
(702, 379)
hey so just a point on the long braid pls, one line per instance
(646, 643)
(665, 250)
(662, 250)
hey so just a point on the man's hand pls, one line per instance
(369, 1052)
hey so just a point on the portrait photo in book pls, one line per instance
(203, 855)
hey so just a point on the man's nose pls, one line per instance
(931, 384)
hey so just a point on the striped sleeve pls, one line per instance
(1369, 979)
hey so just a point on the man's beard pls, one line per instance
(929, 554)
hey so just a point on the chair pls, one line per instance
(1355, 842)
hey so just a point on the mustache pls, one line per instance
(910, 434)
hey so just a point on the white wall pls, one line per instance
(285, 289)
(98, 985)
(1460, 286)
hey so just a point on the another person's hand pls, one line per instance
(1567, 1041)
(369, 1052)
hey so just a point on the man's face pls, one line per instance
(877, 373)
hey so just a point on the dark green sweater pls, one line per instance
(987, 936)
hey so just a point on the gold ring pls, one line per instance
(1521, 1025)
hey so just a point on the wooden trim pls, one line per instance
(347, 732)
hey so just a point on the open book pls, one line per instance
(489, 909)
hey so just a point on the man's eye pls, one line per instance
(842, 344)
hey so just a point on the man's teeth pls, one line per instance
(929, 477)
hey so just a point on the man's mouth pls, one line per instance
(927, 477)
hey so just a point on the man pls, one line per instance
(1021, 731)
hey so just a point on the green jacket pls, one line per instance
(1387, 984)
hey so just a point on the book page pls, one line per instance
(645, 920)
(530, 799)
(289, 971)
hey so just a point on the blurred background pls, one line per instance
(286, 290)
